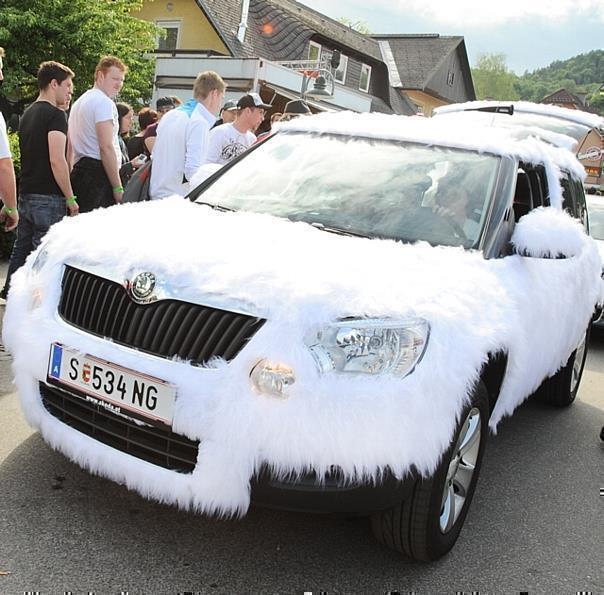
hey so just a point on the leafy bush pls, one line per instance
(13, 141)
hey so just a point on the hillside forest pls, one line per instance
(582, 74)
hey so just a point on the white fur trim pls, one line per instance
(300, 278)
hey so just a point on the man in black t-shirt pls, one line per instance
(45, 192)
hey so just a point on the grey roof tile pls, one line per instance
(418, 56)
(293, 25)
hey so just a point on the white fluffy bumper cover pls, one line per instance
(300, 278)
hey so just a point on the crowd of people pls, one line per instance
(76, 160)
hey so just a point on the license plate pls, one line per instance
(115, 388)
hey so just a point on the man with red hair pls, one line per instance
(93, 134)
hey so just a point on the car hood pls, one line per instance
(270, 267)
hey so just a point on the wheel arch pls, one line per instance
(492, 374)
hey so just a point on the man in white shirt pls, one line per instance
(8, 188)
(93, 137)
(182, 137)
(227, 141)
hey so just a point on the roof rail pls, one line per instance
(495, 109)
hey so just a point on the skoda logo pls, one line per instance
(142, 286)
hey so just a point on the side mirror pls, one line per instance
(547, 232)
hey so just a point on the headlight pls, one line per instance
(370, 346)
(40, 260)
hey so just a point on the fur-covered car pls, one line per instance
(334, 325)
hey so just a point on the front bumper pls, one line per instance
(171, 451)
(332, 495)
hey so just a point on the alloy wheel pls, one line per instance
(461, 470)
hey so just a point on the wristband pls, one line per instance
(8, 210)
(118, 189)
(72, 200)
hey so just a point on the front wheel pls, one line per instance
(426, 525)
(561, 389)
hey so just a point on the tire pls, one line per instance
(561, 389)
(426, 525)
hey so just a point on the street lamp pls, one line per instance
(319, 88)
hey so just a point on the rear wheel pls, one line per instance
(427, 524)
(561, 389)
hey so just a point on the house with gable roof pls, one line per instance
(274, 47)
(430, 69)
(564, 98)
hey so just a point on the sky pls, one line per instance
(531, 33)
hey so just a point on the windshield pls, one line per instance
(595, 210)
(369, 187)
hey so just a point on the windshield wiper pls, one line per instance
(213, 206)
(338, 230)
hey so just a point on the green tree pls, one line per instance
(76, 33)
(597, 102)
(582, 73)
(492, 79)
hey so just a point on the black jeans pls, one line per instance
(91, 185)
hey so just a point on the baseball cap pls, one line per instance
(164, 103)
(252, 100)
(228, 106)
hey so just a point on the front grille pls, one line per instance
(156, 445)
(166, 328)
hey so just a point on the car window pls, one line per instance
(580, 204)
(568, 203)
(538, 182)
(370, 187)
(573, 198)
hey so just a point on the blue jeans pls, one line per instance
(37, 212)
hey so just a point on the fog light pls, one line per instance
(36, 298)
(272, 378)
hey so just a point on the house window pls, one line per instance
(450, 78)
(365, 78)
(341, 70)
(314, 50)
(170, 41)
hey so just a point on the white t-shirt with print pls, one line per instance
(226, 143)
(4, 146)
(90, 109)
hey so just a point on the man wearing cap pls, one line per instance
(227, 141)
(228, 113)
(183, 137)
(163, 105)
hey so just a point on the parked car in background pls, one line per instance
(333, 324)
(586, 129)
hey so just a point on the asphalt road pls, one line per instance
(536, 523)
